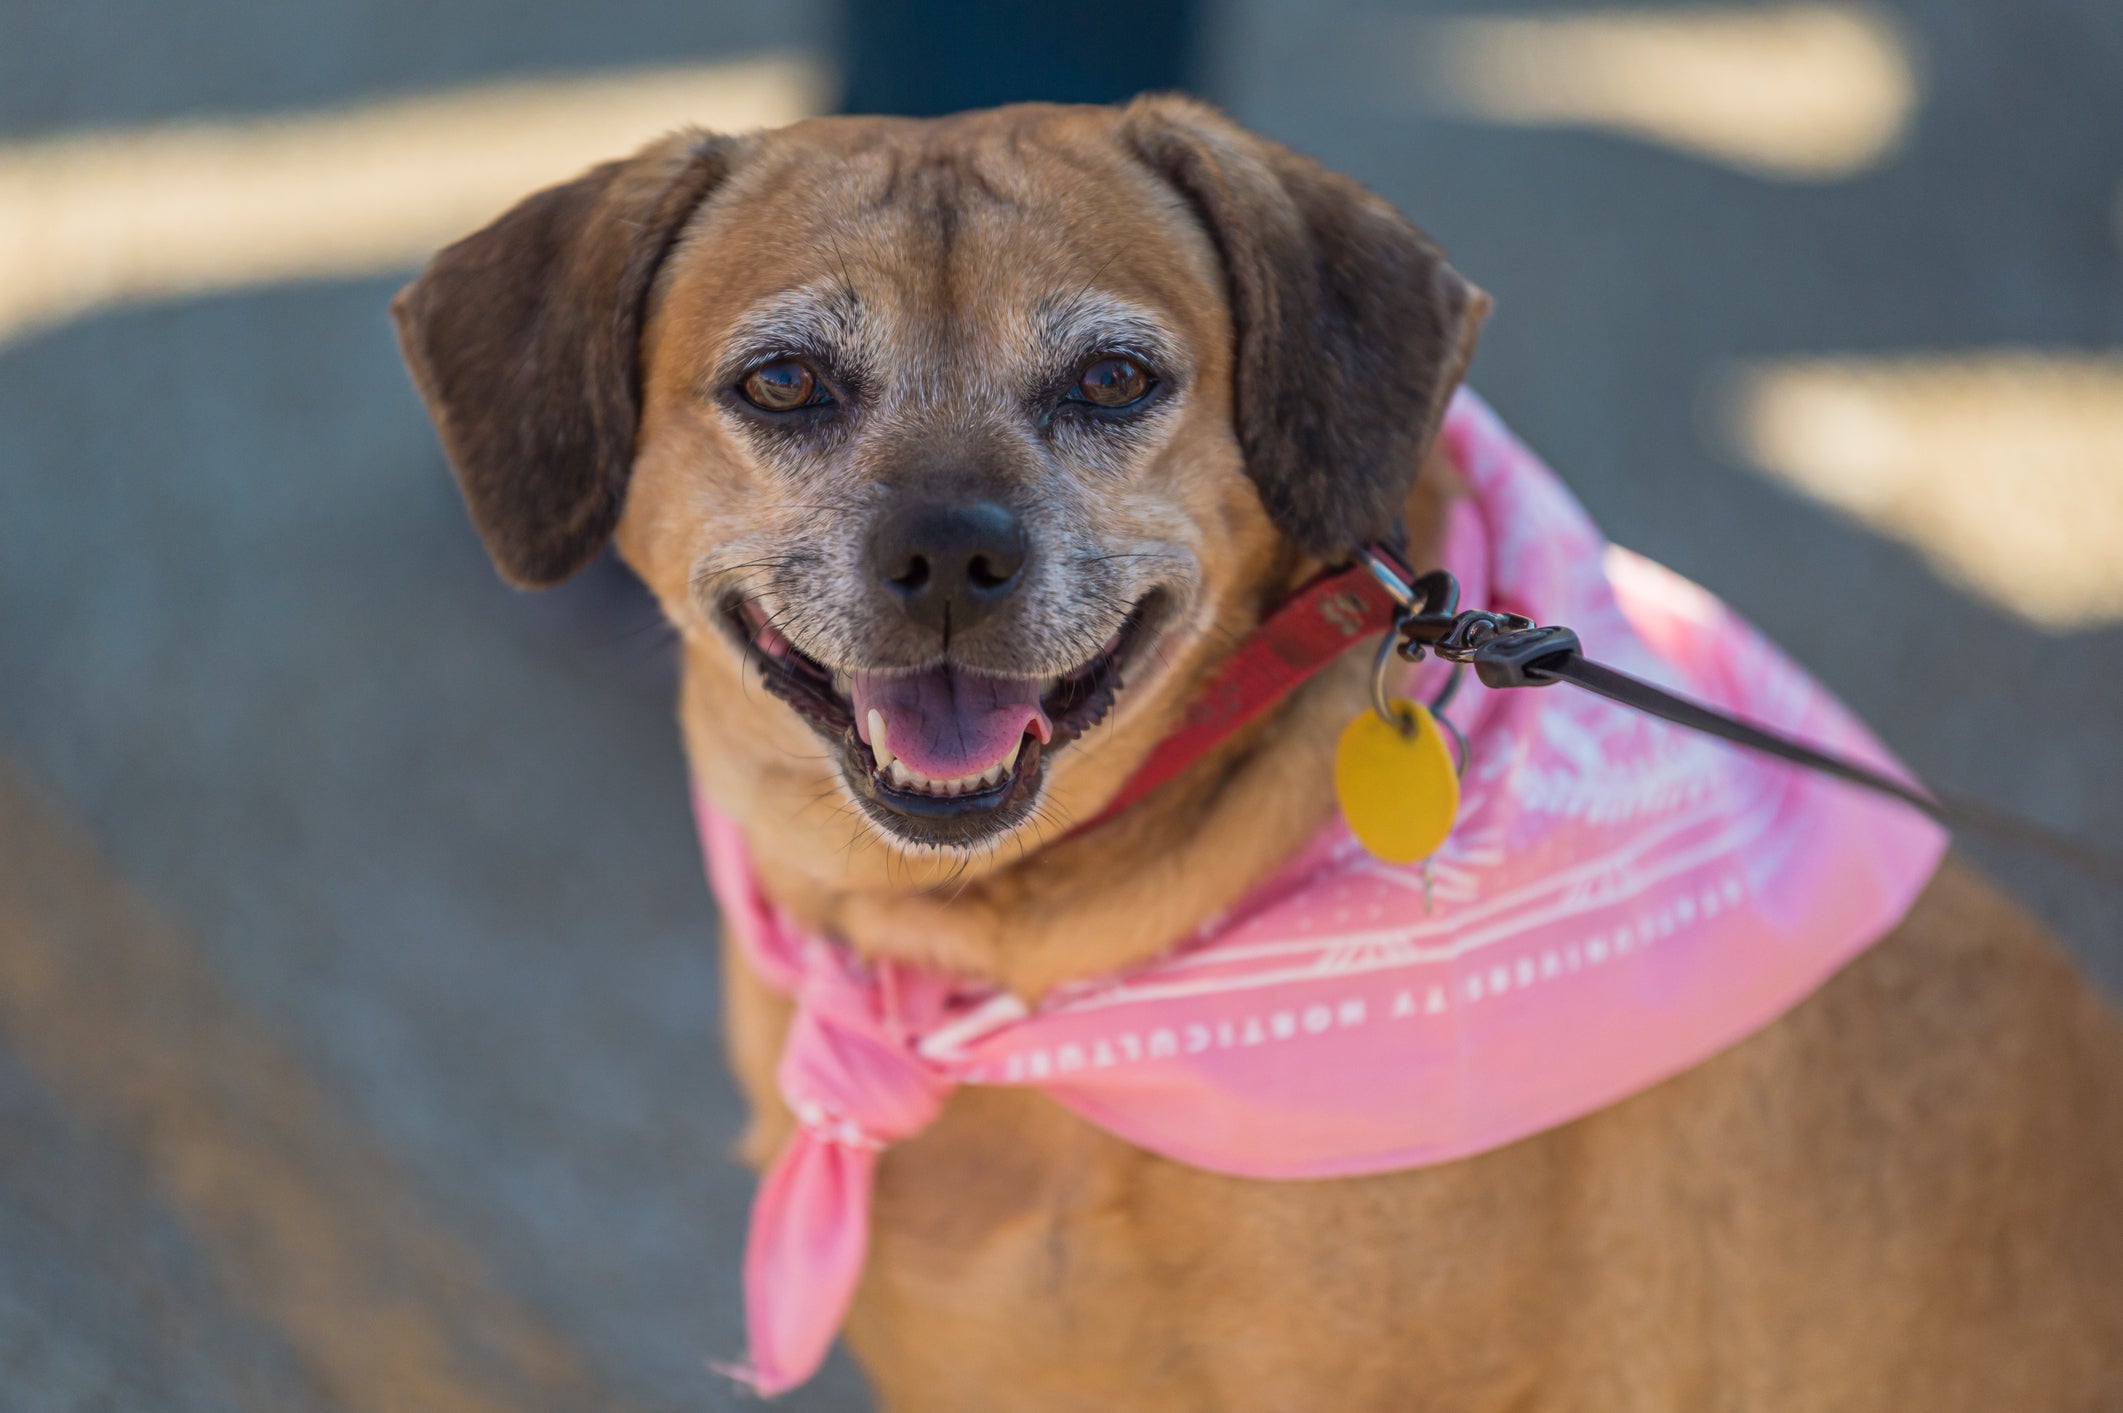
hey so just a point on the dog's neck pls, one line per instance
(1109, 897)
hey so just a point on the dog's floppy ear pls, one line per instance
(524, 340)
(1352, 330)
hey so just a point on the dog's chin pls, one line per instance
(995, 796)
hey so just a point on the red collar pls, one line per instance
(1314, 626)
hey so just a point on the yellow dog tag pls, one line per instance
(1399, 791)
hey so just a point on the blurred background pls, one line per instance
(358, 1020)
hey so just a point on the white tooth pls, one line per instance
(1010, 760)
(880, 742)
(898, 773)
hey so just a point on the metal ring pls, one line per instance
(1403, 594)
(1451, 688)
(1459, 738)
(1438, 704)
(1400, 721)
(1404, 722)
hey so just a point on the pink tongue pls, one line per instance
(945, 722)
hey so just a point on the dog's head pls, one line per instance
(965, 437)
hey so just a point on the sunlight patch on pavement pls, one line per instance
(96, 219)
(2005, 470)
(1803, 92)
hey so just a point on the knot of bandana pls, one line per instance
(850, 1074)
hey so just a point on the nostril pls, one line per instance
(985, 573)
(915, 576)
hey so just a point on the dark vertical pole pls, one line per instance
(921, 58)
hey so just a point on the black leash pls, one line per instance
(1510, 650)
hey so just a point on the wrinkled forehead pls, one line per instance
(894, 248)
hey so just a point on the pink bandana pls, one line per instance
(1620, 900)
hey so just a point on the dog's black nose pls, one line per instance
(949, 565)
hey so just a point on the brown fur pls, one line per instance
(1903, 1195)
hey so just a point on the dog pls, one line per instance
(960, 453)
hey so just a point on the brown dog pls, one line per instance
(1065, 398)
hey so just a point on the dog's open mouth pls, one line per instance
(943, 755)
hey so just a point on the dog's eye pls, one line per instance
(782, 386)
(1113, 382)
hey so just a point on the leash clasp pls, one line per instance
(1503, 648)
(1431, 621)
